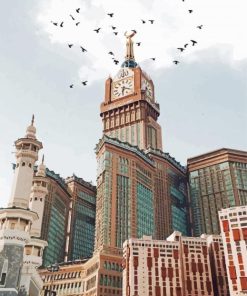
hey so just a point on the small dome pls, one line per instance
(41, 170)
(31, 131)
(129, 64)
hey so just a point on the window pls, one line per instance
(4, 272)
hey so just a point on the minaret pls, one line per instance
(34, 248)
(27, 149)
(37, 198)
(16, 220)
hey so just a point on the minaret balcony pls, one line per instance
(38, 189)
(32, 260)
(27, 153)
(13, 236)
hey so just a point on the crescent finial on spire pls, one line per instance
(129, 45)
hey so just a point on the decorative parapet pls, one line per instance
(81, 181)
(168, 157)
(124, 145)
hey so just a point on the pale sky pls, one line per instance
(203, 100)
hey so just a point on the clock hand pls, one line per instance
(123, 88)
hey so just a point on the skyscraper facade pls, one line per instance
(125, 193)
(68, 222)
(140, 189)
(171, 209)
(82, 217)
(218, 179)
(56, 219)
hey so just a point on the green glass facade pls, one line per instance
(83, 226)
(125, 194)
(179, 206)
(123, 210)
(145, 212)
(54, 252)
(215, 187)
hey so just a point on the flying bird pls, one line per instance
(72, 17)
(115, 61)
(78, 10)
(144, 22)
(55, 24)
(113, 28)
(181, 49)
(111, 53)
(186, 45)
(77, 23)
(176, 62)
(61, 25)
(151, 21)
(84, 82)
(190, 10)
(70, 45)
(200, 27)
(97, 30)
(83, 49)
(110, 14)
(138, 43)
(71, 85)
(193, 42)
(134, 31)
(115, 33)
(153, 59)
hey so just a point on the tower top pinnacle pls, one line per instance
(41, 168)
(31, 130)
(129, 57)
(32, 122)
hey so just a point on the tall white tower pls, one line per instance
(27, 150)
(33, 251)
(16, 220)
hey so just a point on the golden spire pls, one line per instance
(129, 45)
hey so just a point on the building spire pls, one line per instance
(31, 130)
(129, 45)
(129, 56)
(32, 122)
(41, 168)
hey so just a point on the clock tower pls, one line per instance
(130, 111)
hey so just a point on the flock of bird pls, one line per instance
(110, 53)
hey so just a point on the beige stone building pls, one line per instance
(178, 266)
(233, 224)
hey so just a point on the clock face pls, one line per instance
(123, 87)
(147, 87)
